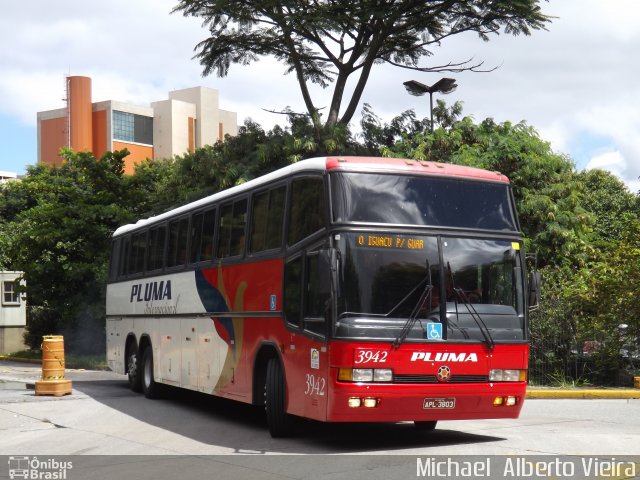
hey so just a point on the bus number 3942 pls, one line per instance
(370, 356)
(315, 385)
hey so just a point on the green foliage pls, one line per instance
(327, 42)
(577, 330)
(56, 228)
(250, 154)
(545, 184)
(611, 202)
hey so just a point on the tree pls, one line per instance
(326, 42)
(547, 192)
(613, 205)
(56, 227)
(251, 153)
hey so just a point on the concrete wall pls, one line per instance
(206, 101)
(171, 127)
(229, 121)
(52, 135)
(11, 340)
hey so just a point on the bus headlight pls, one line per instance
(500, 375)
(362, 375)
(382, 375)
(365, 375)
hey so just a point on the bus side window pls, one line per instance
(138, 252)
(155, 249)
(292, 290)
(124, 256)
(196, 237)
(259, 212)
(267, 220)
(178, 236)
(224, 232)
(316, 296)
(115, 256)
(307, 213)
(233, 219)
(202, 228)
(275, 218)
(208, 227)
(238, 227)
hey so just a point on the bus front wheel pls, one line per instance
(149, 386)
(278, 421)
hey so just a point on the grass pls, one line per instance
(72, 360)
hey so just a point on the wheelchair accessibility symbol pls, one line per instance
(434, 331)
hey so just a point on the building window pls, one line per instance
(10, 293)
(129, 127)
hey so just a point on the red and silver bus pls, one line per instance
(339, 289)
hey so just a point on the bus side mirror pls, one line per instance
(535, 282)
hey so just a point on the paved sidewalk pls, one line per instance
(11, 371)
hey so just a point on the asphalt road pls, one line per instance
(103, 417)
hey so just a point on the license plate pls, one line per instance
(439, 403)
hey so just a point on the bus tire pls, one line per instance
(426, 426)
(278, 421)
(149, 386)
(133, 371)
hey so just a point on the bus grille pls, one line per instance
(433, 379)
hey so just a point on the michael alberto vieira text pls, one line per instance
(520, 467)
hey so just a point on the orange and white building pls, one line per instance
(188, 119)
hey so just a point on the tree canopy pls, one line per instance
(55, 226)
(545, 184)
(326, 42)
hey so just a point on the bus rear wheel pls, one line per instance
(426, 426)
(133, 371)
(149, 386)
(278, 421)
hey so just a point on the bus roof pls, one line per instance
(322, 164)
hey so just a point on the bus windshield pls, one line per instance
(422, 201)
(475, 291)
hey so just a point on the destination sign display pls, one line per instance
(399, 242)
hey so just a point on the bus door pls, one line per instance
(306, 302)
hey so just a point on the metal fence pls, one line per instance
(558, 361)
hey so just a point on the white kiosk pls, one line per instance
(13, 313)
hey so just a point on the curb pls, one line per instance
(583, 394)
(33, 361)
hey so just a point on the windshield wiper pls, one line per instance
(413, 316)
(396, 306)
(460, 293)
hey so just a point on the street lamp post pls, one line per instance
(417, 89)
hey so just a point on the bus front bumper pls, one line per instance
(353, 402)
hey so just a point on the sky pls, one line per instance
(576, 83)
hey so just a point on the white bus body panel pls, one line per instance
(187, 350)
